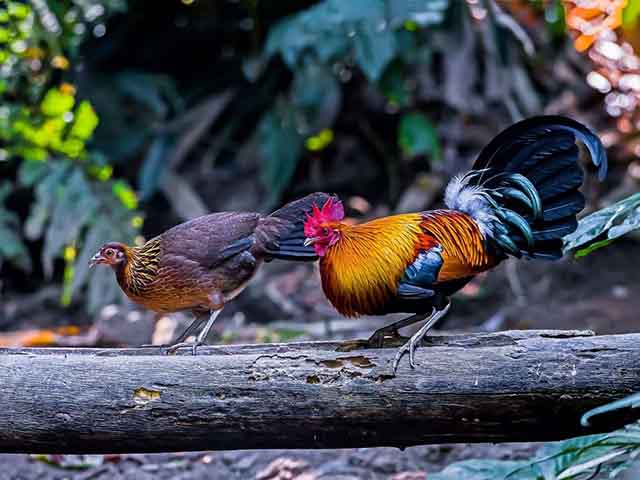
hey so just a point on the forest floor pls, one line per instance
(600, 292)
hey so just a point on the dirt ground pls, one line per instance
(600, 292)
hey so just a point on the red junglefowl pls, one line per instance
(202, 264)
(520, 198)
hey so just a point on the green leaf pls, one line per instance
(45, 194)
(631, 401)
(56, 103)
(317, 94)
(74, 206)
(418, 136)
(153, 167)
(331, 29)
(616, 220)
(631, 15)
(281, 146)
(29, 173)
(375, 48)
(85, 121)
(592, 248)
(554, 16)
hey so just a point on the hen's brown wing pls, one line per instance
(211, 239)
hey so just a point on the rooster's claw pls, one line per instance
(381, 338)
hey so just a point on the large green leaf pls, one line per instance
(153, 167)
(609, 223)
(418, 136)
(317, 94)
(45, 193)
(74, 205)
(375, 47)
(281, 145)
(333, 28)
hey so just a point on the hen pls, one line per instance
(202, 264)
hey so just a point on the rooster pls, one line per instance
(520, 198)
(202, 264)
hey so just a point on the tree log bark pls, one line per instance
(509, 386)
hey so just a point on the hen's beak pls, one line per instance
(310, 241)
(96, 259)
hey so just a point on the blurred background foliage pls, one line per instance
(113, 112)
(119, 120)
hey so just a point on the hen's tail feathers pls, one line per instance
(282, 232)
(523, 188)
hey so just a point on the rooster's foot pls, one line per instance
(416, 339)
(384, 337)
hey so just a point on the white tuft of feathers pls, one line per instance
(473, 200)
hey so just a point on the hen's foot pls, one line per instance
(172, 349)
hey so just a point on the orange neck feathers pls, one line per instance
(463, 246)
(361, 271)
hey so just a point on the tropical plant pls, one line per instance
(46, 131)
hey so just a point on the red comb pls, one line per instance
(331, 211)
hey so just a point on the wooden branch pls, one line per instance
(510, 386)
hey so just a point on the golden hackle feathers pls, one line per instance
(141, 267)
(463, 246)
(360, 273)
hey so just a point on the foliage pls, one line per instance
(358, 97)
(45, 130)
(322, 45)
(604, 226)
(581, 458)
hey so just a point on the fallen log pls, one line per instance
(509, 386)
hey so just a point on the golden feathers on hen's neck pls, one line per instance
(140, 268)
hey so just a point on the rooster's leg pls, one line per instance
(412, 344)
(385, 336)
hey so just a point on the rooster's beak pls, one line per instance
(96, 259)
(310, 241)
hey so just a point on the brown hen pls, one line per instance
(202, 264)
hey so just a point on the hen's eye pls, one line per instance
(108, 252)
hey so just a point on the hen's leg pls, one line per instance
(194, 327)
(411, 345)
(202, 336)
(377, 339)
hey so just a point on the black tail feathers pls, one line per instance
(530, 176)
(283, 230)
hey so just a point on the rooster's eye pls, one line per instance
(325, 231)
